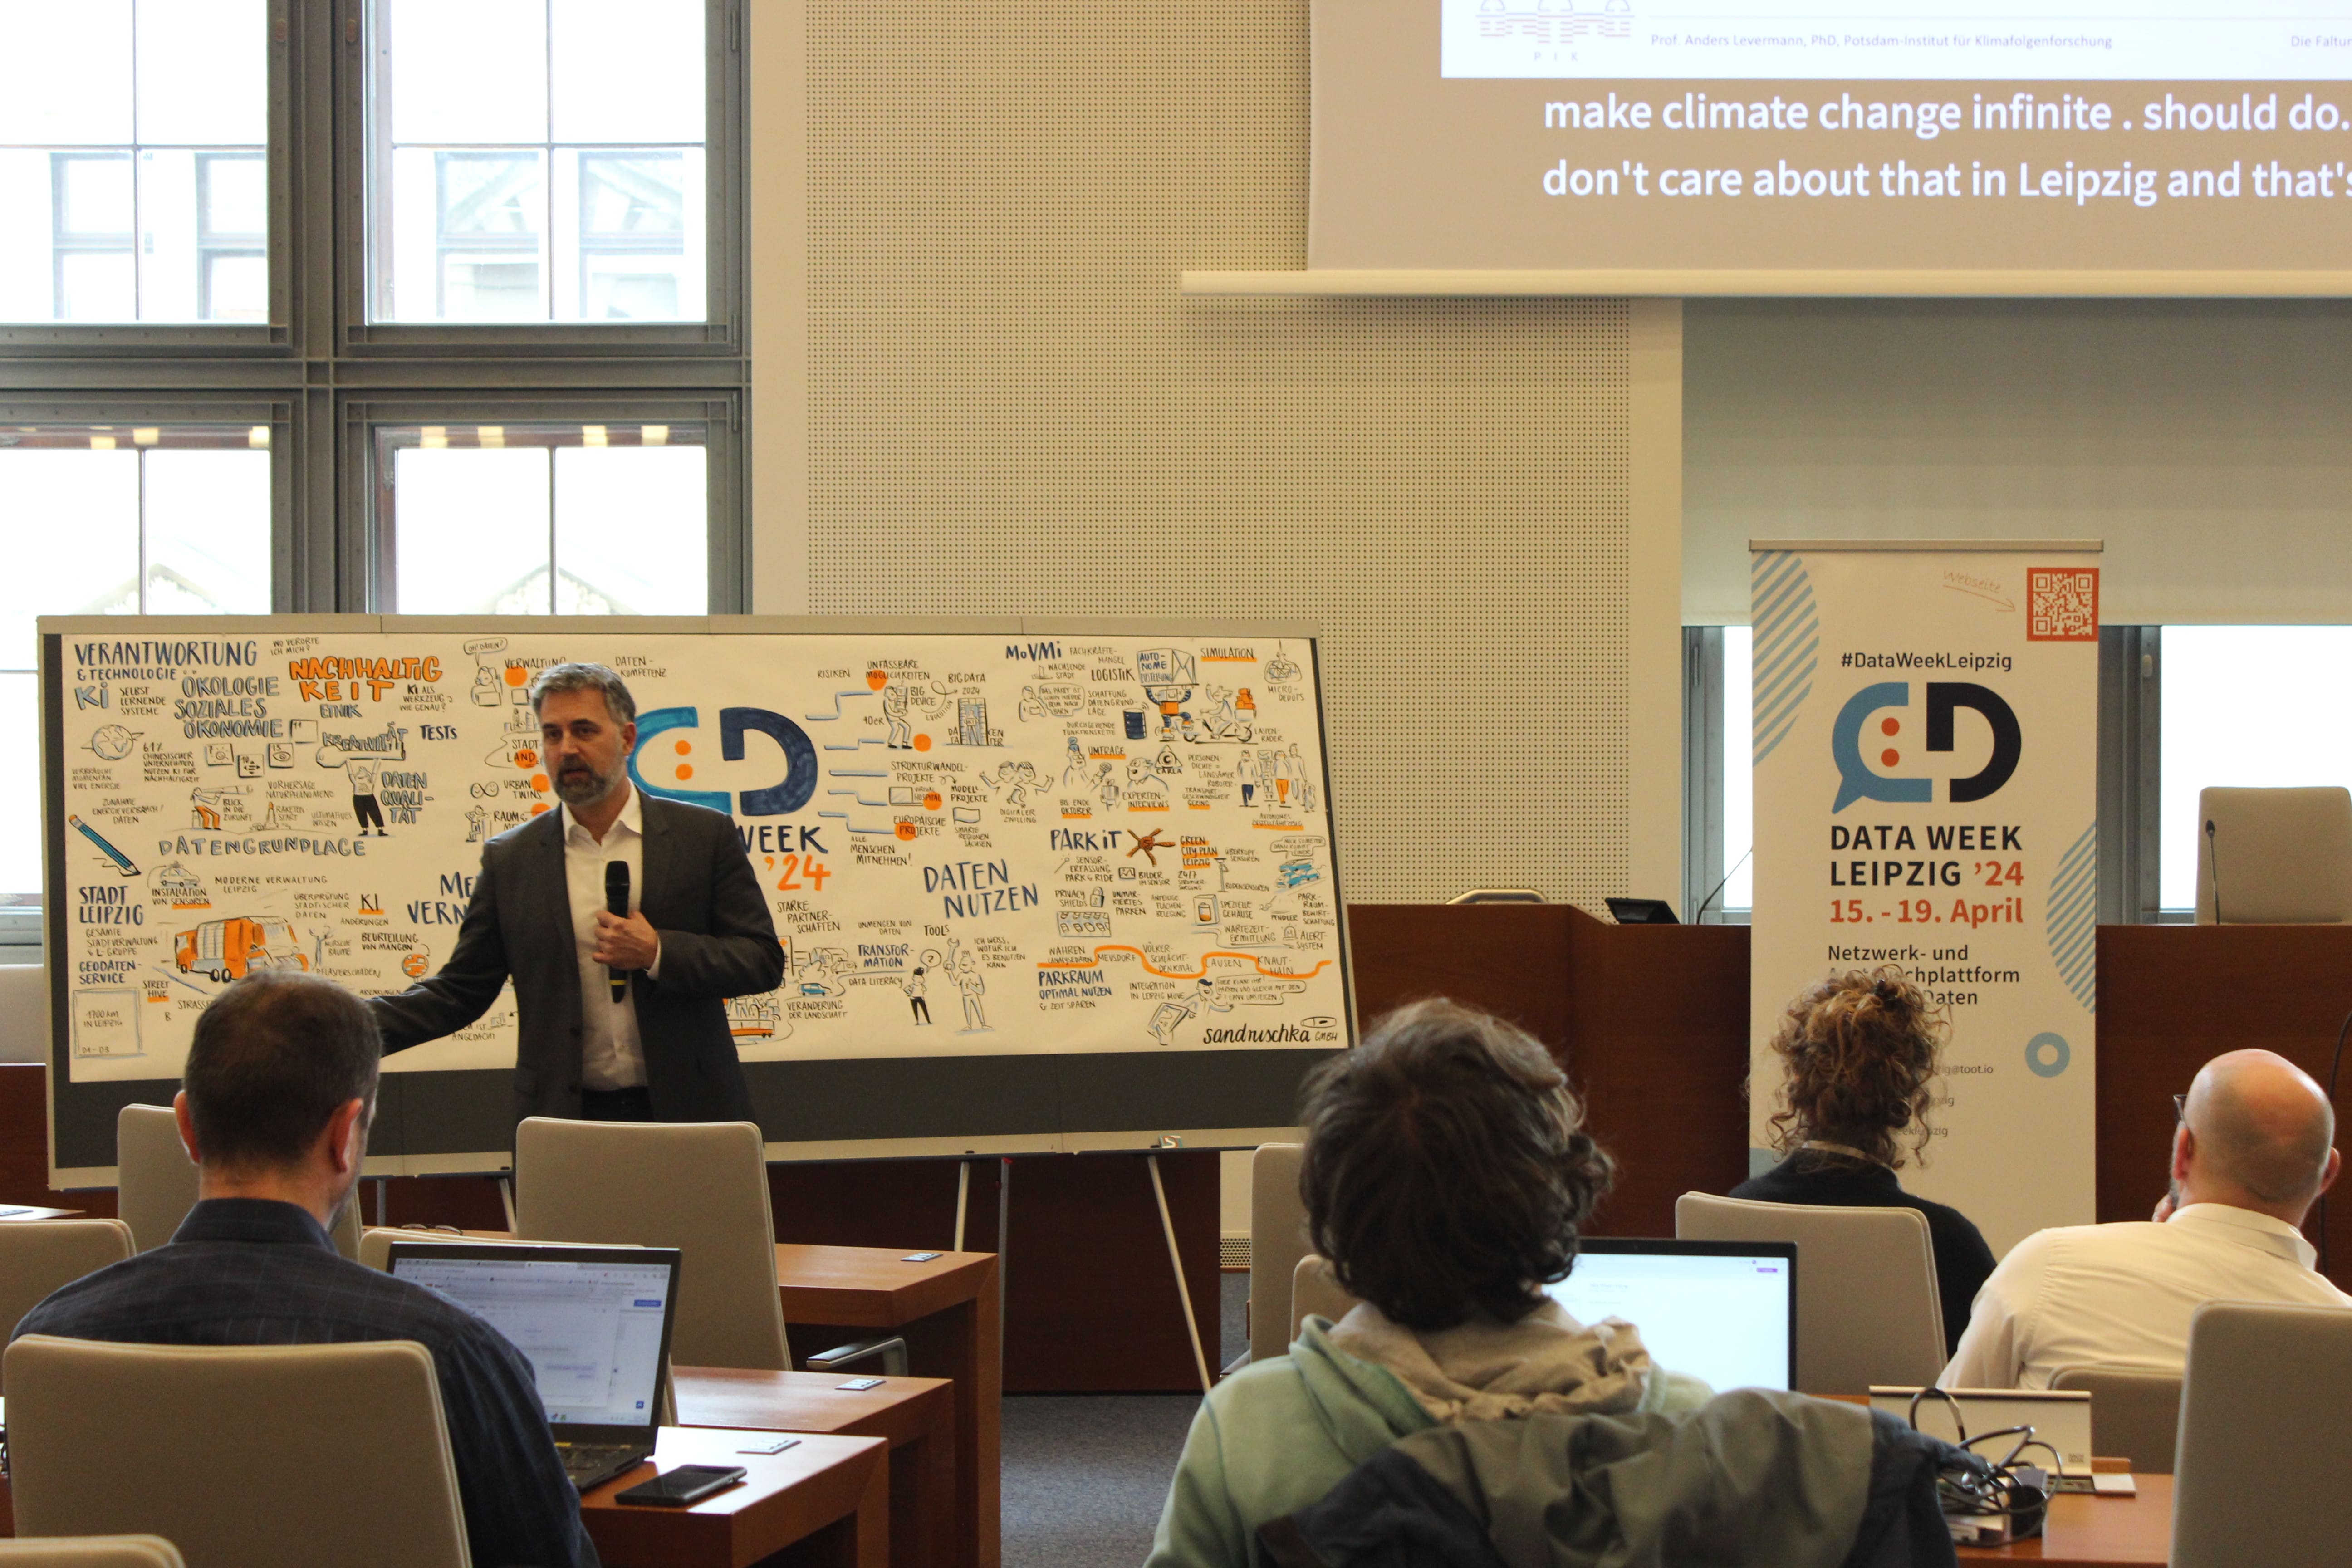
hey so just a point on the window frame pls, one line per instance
(68, 339)
(368, 550)
(366, 170)
(277, 414)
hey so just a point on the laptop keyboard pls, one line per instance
(592, 1464)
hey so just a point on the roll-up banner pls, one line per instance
(1925, 773)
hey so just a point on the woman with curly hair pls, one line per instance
(1446, 1173)
(1858, 1052)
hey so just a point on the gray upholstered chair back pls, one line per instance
(2263, 1451)
(699, 1186)
(1867, 1310)
(241, 1455)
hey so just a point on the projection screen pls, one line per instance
(2101, 136)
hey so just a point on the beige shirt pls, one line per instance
(611, 1053)
(2123, 1294)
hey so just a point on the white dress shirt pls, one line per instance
(2123, 1294)
(611, 1053)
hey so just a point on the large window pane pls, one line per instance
(2247, 706)
(472, 531)
(541, 160)
(113, 115)
(611, 504)
(74, 538)
(65, 75)
(547, 519)
(207, 532)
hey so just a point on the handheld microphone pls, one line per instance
(2213, 860)
(617, 899)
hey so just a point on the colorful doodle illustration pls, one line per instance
(232, 949)
(970, 845)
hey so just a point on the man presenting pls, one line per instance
(697, 931)
(274, 1108)
(2253, 1150)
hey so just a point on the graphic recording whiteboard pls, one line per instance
(1063, 889)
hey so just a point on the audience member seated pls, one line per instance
(1859, 1051)
(1444, 1175)
(2253, 1150)
(274, 1106)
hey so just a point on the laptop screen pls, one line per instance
(1725, 1313)
(593, 1321)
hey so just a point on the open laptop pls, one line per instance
(1723, 1311)
(596, 1323)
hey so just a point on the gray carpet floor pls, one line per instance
(1085, 1474)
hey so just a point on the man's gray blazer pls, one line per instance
(718, 941)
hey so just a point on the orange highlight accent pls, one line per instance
(1892, 726)
(518, 676)
(931, 801)
(539, 782)
(1320, 965)
(684, 747)
(1279, 826)
(906, 831)
(537, 808)
(526, 758)
(922, 743)
(1890, 756)
(1196, 805)
(1147, 808)
(877, 679)
(1227, 659)
(686, 770)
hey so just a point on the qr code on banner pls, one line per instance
(2062, 604)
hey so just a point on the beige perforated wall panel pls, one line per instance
(1010, 407)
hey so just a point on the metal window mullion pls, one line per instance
(139, 594)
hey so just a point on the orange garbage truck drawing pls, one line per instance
(233, 949)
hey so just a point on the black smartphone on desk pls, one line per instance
(686, 1485)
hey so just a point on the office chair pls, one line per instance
(242, 1456)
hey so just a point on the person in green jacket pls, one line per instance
(1446, 1173)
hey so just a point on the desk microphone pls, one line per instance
(1701, 913)
(617, 899)
(2213, 859)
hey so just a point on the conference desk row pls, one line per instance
(1651, 1022)
(832, 1499)
(868, 1482)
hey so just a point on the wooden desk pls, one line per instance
(827, 1497)
(916, 1415)
(947, 1312)
(2086, 1532)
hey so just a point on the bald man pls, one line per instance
(2254, 1149)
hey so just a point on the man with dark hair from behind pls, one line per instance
(274, 1108)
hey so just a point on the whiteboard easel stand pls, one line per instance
(963, 1198)
(1176, 1262)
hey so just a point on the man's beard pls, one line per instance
(577, 783)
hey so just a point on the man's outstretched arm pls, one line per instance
(445, 1002)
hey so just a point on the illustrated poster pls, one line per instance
(972, 845)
